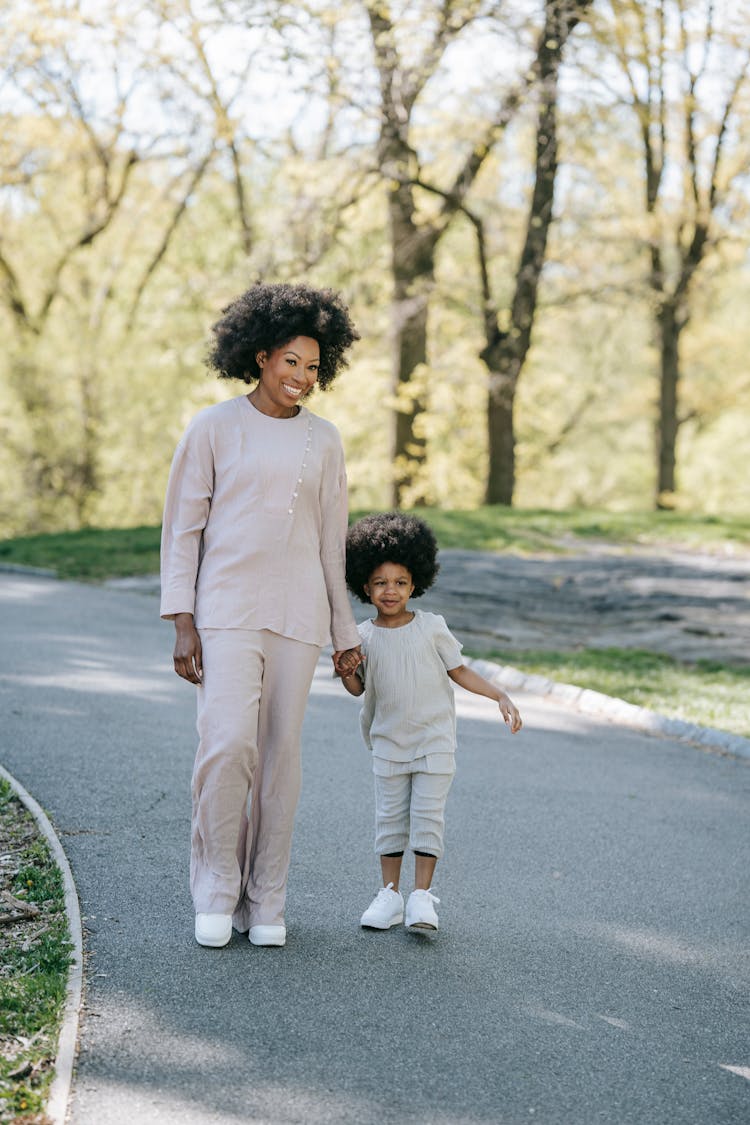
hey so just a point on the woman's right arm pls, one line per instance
(188, 651)
(186, 511)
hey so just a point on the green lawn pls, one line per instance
(96, 554)
(526, 531)
(90, 554)
(705, 692)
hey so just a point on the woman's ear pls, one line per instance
(260, 359)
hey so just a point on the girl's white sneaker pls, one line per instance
(385, 910)
(213, 929)
(420, 911)
(267, 935)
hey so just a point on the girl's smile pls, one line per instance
(389, 589)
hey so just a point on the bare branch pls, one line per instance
(16, 302)
(740, 78)
(92, 231)
(167, 236)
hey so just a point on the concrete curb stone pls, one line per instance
(616, 710)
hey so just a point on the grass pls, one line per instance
(705, 692)
(34, 961)
(527, 531)
(95, 554)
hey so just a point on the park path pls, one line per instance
(591, 965)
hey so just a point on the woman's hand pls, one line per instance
(188, 652)
(347, 661)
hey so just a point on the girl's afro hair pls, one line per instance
(395, 538)
(268, 316)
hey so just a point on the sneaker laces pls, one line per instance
(384, 891)
(430, 895)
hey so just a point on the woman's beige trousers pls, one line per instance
(246, 778)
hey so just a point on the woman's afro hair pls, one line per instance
(390, 538)
(268, 316)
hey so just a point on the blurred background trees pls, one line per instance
(538, 214)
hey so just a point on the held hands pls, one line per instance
(510, 712)
(188, 652)
(347, 661)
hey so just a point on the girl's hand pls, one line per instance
(347, 661)
(188, 651)
(510, 712)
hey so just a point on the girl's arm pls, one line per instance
(477, 684)
(353, 683)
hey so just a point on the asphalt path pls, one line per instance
(591, 965)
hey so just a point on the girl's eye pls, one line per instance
(292, 362)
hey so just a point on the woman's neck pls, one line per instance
(264, 405)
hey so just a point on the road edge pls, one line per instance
(610, 707)
(67, 1041)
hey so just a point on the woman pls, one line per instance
(253, 577)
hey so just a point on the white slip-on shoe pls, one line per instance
(213, 929)
(420, 911)
(385, 910)
(267, 935)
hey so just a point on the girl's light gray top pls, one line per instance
(255, 524)
(409, 709)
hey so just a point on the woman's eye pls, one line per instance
(292, 362)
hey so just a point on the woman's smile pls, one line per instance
(286, 374)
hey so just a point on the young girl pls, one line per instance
(408, 717)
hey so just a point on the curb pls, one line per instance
(609, 707)
(32, 571)
(59, 1095)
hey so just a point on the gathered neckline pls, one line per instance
(394, 628)
(271, 418)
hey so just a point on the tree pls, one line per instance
(415, 233)
(505, 350)
(686, 75)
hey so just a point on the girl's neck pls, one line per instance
(404, 618)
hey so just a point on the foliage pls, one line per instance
(123, 232)
(34, 960)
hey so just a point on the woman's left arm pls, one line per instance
(334, 520)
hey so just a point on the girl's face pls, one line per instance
(389, 589)
(287, 374)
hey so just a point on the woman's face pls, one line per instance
(289, 372)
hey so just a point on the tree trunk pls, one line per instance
(501, 474)
(413, 270)
(505, 353)
(668, 423)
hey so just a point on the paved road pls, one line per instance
(592, 965)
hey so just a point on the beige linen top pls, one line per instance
(409, 710)
(255, 525)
